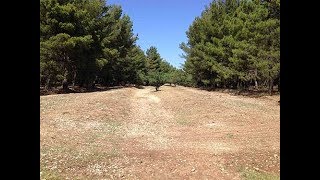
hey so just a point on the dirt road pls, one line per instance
(175, 133)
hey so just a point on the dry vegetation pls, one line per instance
(175, 133)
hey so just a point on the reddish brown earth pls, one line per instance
(175, 133)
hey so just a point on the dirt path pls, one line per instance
(149, 120)
(175, 133)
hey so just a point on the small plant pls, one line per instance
(113, 126)
(256, 175)
(183, 121)
(156, 79)
(229, 135)
(49, 175)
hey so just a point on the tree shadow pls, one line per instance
(77, 89)
(139, 87)
(255, 93)
(244, 92)
(172, 85)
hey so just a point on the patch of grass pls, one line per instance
(241, 103)
(109, 126)
(113, 126)
(255, 175)
(49, 175)
(229, 135)
(183, 121)
(114, 153)
(99, 156)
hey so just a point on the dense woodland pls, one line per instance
(233, 44)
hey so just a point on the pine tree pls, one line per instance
(234, 44)
(155, 74)
(85, 42)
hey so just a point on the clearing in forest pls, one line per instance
(175, 133)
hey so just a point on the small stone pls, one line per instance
(193, 170)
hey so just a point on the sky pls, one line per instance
(162, 23)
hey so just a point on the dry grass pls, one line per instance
(177, 133)
(256, 175)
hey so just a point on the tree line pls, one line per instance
(233, 44)
(87, 42)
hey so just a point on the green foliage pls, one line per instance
(156, 68)
(87, 42)
(159, 71)
(234, 43)
(153, 59)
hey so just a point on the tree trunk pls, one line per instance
(213, 86)
(270, 86)
(255, 79)
(65, 81)
(279, 85)
(93, 85)
(47, 85)
(65, 84)
(255, 84)
(74, 79)
(239, 85)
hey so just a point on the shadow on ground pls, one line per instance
(77, 89)
(249, 92)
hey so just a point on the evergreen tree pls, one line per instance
(85, 42)
(155, 74)
(234, 44)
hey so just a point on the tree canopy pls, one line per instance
(234, 43)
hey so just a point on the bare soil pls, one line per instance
(175, 133)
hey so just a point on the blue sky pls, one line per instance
(162, 23)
